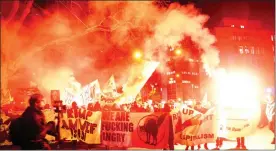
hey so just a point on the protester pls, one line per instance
(270, 113)
(201, 109)
(47, 106)
(167, 107)
(34, 125)
(263, 120)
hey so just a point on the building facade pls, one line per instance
(182, 80)
(246, 45)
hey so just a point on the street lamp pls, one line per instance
(178, 52)
(137, 55)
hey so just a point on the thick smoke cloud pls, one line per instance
(61, 44)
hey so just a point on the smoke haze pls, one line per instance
(60, 45)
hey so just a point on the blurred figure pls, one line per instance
(270, 113)
(47, 106)
(34, 125)
(201, 109)
(240, 143)
(166, 108)
(263, 119)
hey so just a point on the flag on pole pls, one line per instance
(110, 89)
(139, 76)
(89, 94)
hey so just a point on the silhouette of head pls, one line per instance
(35, 101)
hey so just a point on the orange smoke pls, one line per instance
(95, 45)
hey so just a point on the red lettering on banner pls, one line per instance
(83, 126)
(88, 114)
(64, 124)
(82, 114)
(70, 113)
(188, 111)
(72, 125)
(92, 128)
(127, 116)
(109, 116)
(76, 112)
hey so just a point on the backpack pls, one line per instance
(15, 131)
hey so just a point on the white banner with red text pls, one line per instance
(144, 130)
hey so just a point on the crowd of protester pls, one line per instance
(267, 115)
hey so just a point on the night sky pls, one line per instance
(262, 10)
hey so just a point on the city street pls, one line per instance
(137, 75)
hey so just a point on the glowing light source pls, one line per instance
(177, 75)
(237, 89)
(178, 52)
(137, 55)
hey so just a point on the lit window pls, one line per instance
(189, 73)
(258, 50)
(241, 49)
(246, 51)
(232, 25)
(252, 50)
(242, 26)
(239, 38)
(185, 81)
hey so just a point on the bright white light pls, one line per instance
(269, 90)
(237, 90)
(242, 26)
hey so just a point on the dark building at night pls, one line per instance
(182, 80)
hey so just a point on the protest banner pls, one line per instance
(68, 97)
(192, 127)
(82, 125)
(90, 93)
(236, 122)
(145, 130)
